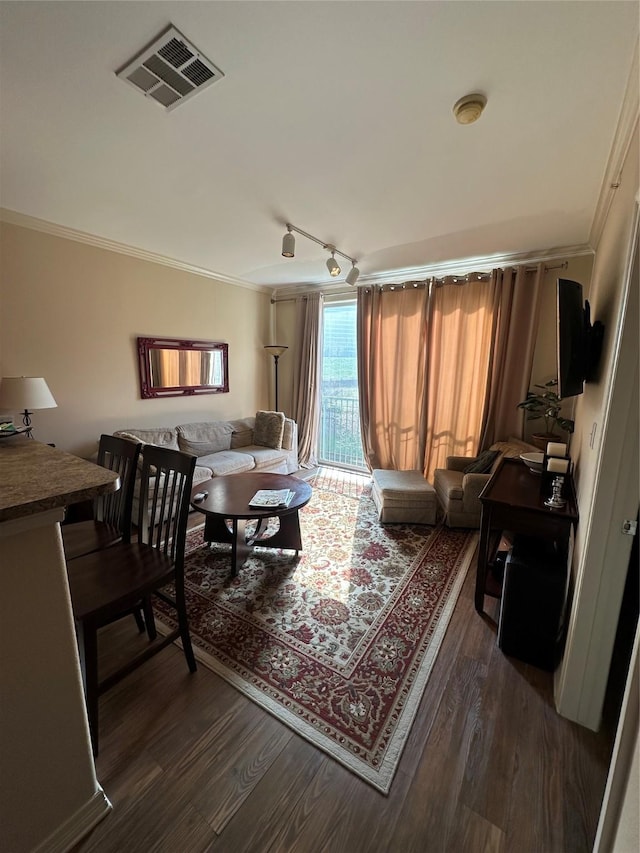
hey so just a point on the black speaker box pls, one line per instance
(532, 604)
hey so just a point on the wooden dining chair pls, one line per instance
(105, 585)
(112, 512)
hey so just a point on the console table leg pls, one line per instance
(481, 570)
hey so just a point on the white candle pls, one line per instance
(558, 466)
(556, 448)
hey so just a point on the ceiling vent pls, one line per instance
(170, 70)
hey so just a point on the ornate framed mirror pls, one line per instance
(173, 367)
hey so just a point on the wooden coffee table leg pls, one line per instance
(240, 549)
(216, 530)
(288, 536)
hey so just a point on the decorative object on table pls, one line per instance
(271, 497)
(546, 404)
(533, 461)
(340, 646)
(276, 351)
(555, 463)
(556, 501)
(25, 394)
(8, 429)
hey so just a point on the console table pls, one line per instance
(512, 500)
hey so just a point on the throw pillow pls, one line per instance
(269, 429)
(482, 464)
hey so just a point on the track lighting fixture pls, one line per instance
(288, 244)
(288, 249)
(332, 265)
(352, 275)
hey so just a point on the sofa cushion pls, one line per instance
(227, 462)
(483, 463)
(242, 432)
(269, 429)
(448, 484)
(160, 437)
(204, 438)
(264, 456)
(201, 473)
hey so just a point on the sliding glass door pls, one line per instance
(339, 438)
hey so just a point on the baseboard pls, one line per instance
(74, 829)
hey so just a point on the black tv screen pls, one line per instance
(572, 338)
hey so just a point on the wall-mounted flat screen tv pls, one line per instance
(579, 343)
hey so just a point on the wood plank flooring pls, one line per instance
(191, 765)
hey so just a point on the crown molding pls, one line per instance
(627, 123)
(460, 266)
(12, 217)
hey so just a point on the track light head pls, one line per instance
(332, 266)
(288, 251)
(352, 275)
(288, 245)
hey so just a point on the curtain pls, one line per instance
(442, 365)
(306, 376)
(459, 347)
(516, 304)
(392, 326)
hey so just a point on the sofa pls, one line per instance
(267, 442)
(458, 488)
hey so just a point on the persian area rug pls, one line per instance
(339, 642)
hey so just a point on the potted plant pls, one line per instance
(546, 404)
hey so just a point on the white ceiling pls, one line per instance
(335, 116)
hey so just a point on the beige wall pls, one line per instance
(604, 476)
(605, 295)
(544, 365)
(71, 312)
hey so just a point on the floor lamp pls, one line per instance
(276, 351)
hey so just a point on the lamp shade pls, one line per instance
(275, 349)
(25, 392)
(288, 245)
(333, 267)
(352, 275)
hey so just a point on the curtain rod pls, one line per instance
(561, 266)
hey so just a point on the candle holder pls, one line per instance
(556, 501)
(552, 467)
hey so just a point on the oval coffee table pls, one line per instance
(228, 498)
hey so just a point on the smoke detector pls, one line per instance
(469, 109)
(170, 70)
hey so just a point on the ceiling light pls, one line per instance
(469, 109)
(288, 245)
(352, 275)
(333, 266)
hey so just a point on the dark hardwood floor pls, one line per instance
(191, 765)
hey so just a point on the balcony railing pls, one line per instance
(340, 442)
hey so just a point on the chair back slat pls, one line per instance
(165, 492)
(119, 455)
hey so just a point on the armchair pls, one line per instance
(458, 492)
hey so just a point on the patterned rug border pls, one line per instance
(382, 777)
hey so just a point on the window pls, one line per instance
(339, 435)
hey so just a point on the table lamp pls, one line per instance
(25, 393)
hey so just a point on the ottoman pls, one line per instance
(403, 497)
